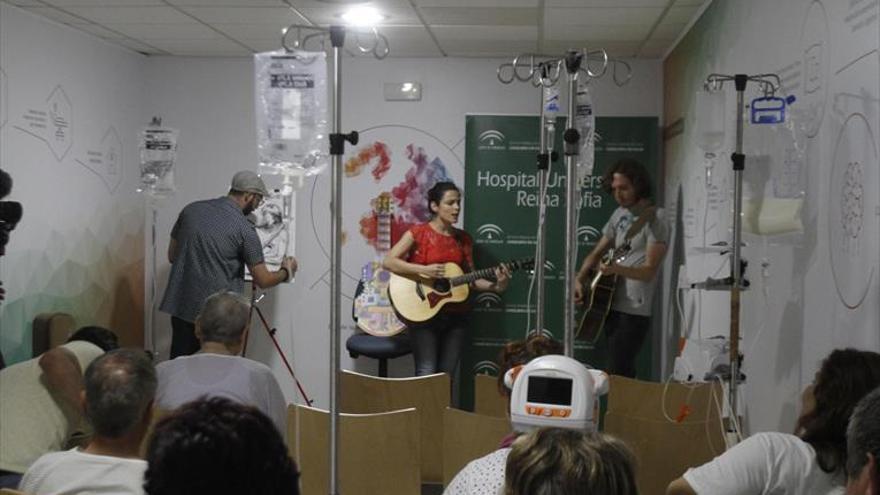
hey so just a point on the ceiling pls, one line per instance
(414, 28)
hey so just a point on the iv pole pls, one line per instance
(542, 75)
(738, 161)
(337, 149)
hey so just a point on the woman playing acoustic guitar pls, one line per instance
(421, 252)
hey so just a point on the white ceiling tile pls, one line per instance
(606, 32)
(533, 4)
(247, 15)
(668, 31)
(140, 47)
(681, 15)
(498, 33)
(480, 16)
(191, 30)
(687, 3)
(99, 31)
(105, 3)
(396, 14)
(654, 50)
(592, 4)
(25, 3)
(56, 15)
(110, 15)
(601, 16)
(254, 31)
(214, 46)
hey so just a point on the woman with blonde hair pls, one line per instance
(558, 461)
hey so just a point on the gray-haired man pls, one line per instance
(863, 447)
(217, 369)
(211, 243)
(118, 401)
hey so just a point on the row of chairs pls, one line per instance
(399, 433)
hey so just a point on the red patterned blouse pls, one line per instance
(433, 247)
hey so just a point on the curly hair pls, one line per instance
(521, 352)
(845, 376)
(634, 171)
(549, 461)
(216, 446)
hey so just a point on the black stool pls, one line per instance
(381, 348)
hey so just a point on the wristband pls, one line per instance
(287, 273)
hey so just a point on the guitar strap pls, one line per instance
(646, 215)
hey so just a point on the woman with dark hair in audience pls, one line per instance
(214, 446)
(810, 461)
(422, 252)
(557, 461)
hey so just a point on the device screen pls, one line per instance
(546, 390)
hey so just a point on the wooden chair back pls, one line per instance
(379, 454)
(657, 419)
(487, 400)
(430, 395)
(468, 436)
(50, 330)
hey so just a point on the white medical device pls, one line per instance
(555, 391)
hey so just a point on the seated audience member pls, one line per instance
(118, 402)
(863, 447)
(214, 446)
(556, 461)
(216, 369)
(486, 474)
(810, 461)
(41, 407)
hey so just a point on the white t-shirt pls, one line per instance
(75, 472)
(483, 476)
(765, 463)
(31, 421)
(243, 380)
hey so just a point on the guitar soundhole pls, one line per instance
(442, 285)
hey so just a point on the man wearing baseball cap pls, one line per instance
(211, 243)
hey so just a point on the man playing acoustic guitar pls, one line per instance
(642, 226)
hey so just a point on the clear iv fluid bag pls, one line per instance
(585, 123)
(710, 120)
(291, 111)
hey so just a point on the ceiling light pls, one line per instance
(362, 15)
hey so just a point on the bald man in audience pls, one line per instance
(41, 407)
(217, 369)
(118, 402)
(863, 447)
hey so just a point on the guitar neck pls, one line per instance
(470, 277)
(383, 233)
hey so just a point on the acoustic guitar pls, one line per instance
(418, 299)
(601, 289)
(372, 309)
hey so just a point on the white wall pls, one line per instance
(210, 101)
(820, 288)
(79, 247)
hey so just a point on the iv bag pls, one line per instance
(291, 106)
(585, 123)
(158, 150)
(710, 120)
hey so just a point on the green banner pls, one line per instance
(501, 213)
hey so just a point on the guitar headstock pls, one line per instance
(382, 204)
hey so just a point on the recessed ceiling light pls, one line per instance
(362, 15)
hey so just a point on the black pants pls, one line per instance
(626, 334)
(183, 338)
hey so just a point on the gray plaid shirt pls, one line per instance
(214, 242)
